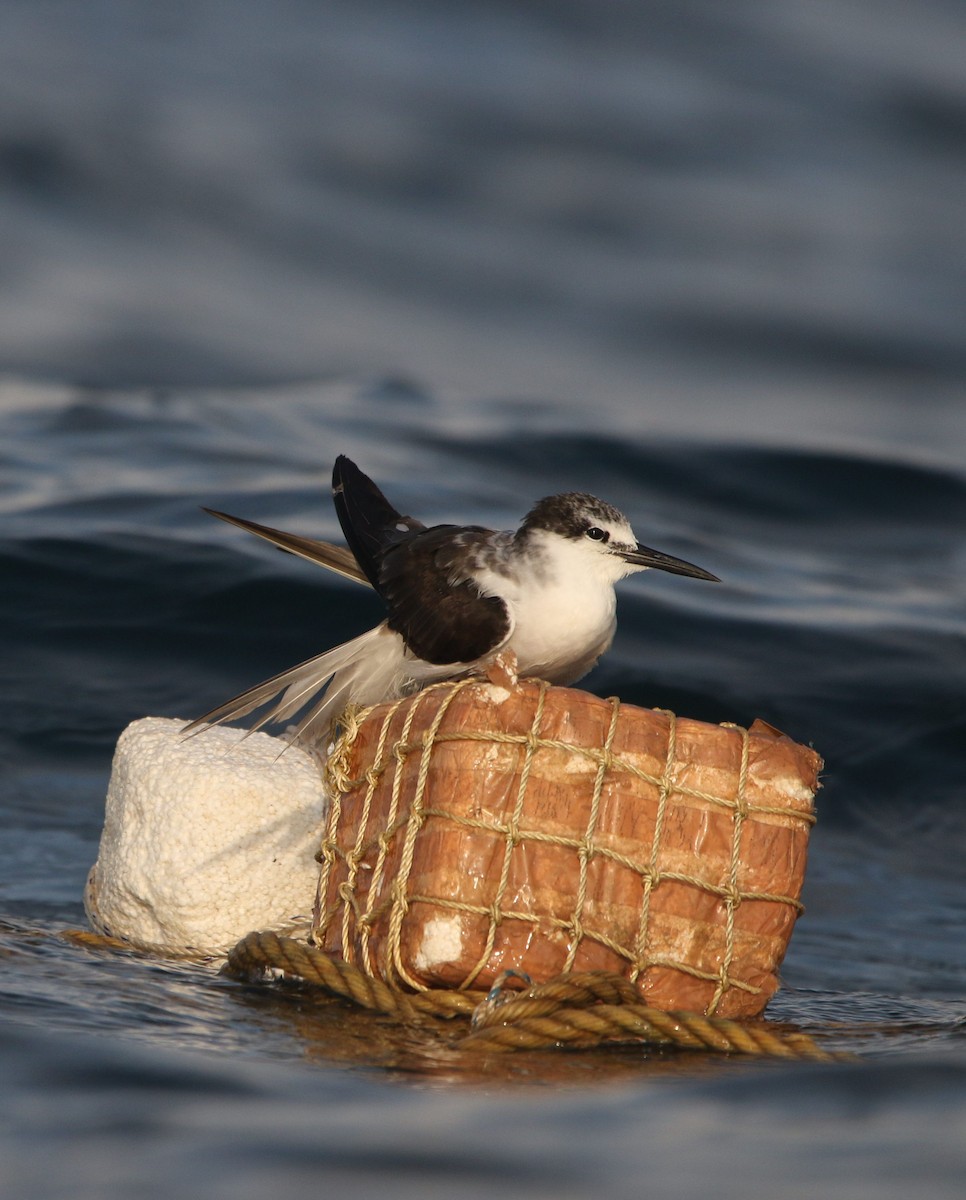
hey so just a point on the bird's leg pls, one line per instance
(502, 669)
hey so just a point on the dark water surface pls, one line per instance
(705, 261)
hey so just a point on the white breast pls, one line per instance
(563, 612)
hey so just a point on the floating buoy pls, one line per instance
(472, 829)
(205, 838)
(477, 828)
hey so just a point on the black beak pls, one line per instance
(644, 556)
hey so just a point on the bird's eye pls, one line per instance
(597, 534)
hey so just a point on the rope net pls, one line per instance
(475, 829)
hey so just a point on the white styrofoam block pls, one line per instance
(206, 838)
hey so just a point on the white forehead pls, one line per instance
(620, 531)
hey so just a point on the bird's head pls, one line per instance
(598, 537)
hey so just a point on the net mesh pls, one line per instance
(466, 835)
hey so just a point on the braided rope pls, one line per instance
(512, 836)
(579, 1010)
(384, 841)
(586, 847)
(92, 940)
(591, 753)
(734, 896)
(416, 820)
(652, 876)
(259, 952)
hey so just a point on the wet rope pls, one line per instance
(261, 952)
(580, 1010)
(92, 940)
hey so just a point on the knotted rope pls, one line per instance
(581, 1010)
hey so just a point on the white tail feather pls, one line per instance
(367, 670)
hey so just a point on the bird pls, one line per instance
(461, 600)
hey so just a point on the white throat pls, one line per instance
(560, 597)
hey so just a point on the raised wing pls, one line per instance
(370, 523)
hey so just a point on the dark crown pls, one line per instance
(570, 514)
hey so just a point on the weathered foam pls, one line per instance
(206, 838)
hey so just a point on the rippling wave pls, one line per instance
(698, 259)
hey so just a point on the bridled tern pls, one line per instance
(461, 600)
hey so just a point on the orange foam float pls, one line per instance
(476, 828)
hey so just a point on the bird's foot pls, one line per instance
(503, 670)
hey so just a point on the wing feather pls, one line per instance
(336, 558)
(440, 612)
(370, 523)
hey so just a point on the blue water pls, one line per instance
(705, 261)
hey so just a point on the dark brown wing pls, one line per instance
(370, 523)
(442, 616)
